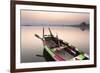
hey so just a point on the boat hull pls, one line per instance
(47, 56)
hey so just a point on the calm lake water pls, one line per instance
(31, 45)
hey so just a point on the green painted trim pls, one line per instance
(49, 51)
(81, 56)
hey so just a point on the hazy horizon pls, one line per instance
(29, 17)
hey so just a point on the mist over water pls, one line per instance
(31, 45)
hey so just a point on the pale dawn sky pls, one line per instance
(29, 17)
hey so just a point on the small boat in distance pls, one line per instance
(56, 49)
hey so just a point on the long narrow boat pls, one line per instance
(57, 50)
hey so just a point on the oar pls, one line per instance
(38, 37)
(39, 55)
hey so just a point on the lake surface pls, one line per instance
(31, 45)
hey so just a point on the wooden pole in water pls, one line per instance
(43, 32)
